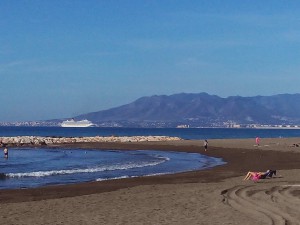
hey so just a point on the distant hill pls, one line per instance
(204, 109)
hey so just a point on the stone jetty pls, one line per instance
(40, 141)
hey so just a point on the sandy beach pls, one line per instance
(215, 196)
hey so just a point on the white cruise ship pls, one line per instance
(73, 123)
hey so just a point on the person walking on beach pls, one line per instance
(257, 140)
(5, 151)
(205, 145)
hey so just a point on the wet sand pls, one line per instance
(214, 196)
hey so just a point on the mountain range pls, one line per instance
(202, 109)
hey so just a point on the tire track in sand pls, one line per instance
(276, 206)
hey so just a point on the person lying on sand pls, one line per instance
(259, 175)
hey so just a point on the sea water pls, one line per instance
(27, 168)
(189, 133)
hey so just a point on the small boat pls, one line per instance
(73, 123)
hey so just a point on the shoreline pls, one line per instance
(199, 197)
(239, 160)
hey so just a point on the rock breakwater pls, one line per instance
(39, 141)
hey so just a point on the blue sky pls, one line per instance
(62, 58)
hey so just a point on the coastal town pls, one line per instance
(158, 124)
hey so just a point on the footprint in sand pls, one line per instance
(276, 205)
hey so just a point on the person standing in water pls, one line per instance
(205, 145)
(5, 151)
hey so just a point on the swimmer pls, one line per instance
(5, 151)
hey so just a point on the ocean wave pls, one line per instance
(124, 177)
(86, 170)
(115, 178)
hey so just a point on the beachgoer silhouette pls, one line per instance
(205, 145)
(257, 140)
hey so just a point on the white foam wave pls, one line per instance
(114, 178)
(86, 170)
(124, 177)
